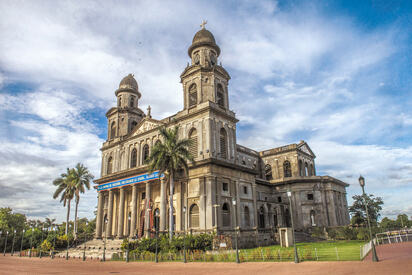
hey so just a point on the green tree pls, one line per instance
(169, 156)
(49, 222)
(66, 190)
(81, 179)
(10, 220)
(357, 209)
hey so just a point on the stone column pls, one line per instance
(120, 217)
(162, 204)
(99, 218)
(134, 211)
(110, 215)
(255, 210)
(147, 214)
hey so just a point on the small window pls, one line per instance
(192, 95)
(225, 186)
(287, 171)
(223, 140)
(310, 197)
(220, 96)
(143, 195)
(279, 199)
(131, 103)
(268, 172)
(244, 189)
(243, 162)
(145, 156)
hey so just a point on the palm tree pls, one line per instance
(81, 179)
(170, 155)
(49, 222)
(65, 188)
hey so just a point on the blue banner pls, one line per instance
(128, 181)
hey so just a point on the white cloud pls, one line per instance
(296, 74)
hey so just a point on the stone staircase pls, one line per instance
(94, 249)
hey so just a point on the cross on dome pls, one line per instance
(204, 22)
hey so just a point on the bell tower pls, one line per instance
(123, 118)
(204, 80)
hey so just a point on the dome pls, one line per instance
(128, 83)
(203, 38)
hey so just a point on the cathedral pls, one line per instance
(228, 186)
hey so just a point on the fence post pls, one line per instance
(280, 255)
(261, 253)
(337, 256)
(316, 253)
(360, 252)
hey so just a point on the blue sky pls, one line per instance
(336, 74)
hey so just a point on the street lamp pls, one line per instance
(236, 227)
(12, 245)
(21, 244)
(84, 247)
(31, 240)
(5, 243)
(293, 226)
(362, 184)
(127, 248)
(67, 249)
(41, 230)
(104, 240)
(54, 240)
(184, 234)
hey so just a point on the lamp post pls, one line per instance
(293, 226)
(362, 184)
(31, 240)
(236, 239)
(127, 248)
(104, 240)
(41, 230)
(54, 240)
(157, 239)
(84, 247)
(5, 243)
(68, 243)
(21, 244)
(12, 244)
(184, 234)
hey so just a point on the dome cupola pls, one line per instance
(203, 38)
(129, 84)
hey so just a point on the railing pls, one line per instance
(396, 236)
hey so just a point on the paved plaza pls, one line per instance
(395, 259)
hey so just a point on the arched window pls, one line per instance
(300, 168)
(311, 170)
(287, 218)
(312, 217)
(131, 102)
(133, 125)
(145, 154)
(246, 217)
(275, 219)
(110, 165)
(220, 99)
(225, 214)
(113, 130)
(223, 142)
(192, 95)
(133, 158)
(306, 169)
(193, 148)
(156, 221)
(287, 172)
(194, 216)
(119, 101)
(261, 217)
(268, 172)
(141, 227)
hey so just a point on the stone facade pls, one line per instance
(223, 171)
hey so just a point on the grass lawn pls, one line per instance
(317, 251)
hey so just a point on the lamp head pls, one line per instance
(184, 209)
(289, 193)
(234, 202)
(362, 181)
